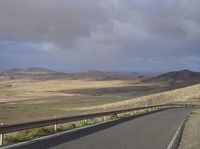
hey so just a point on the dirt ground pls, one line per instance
(191, 133)
(26, 99)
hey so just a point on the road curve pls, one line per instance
(153, 131)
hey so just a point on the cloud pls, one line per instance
(62, 21)
(104, 34)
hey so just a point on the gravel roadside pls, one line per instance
(191, 134)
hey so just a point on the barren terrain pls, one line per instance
(191, 133)
(27, 95)
(21, 99)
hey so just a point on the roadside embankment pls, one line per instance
(191, 134)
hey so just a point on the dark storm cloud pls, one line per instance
(62, 21)
(105, 34)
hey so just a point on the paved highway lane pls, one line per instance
(153, 131)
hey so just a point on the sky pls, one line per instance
(108, 35)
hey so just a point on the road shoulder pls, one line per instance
(191, 134)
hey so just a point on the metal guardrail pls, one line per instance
(36, 124)
(42, 123)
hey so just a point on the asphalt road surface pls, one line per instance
(153, 131)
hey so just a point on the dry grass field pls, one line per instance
(28, 99)
(42, 96)
(187, 95)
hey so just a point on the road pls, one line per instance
(153, 131)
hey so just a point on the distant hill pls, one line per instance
(103, 75)
(42, 74)
(184, 77)
(32, 70)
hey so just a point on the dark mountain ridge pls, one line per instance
(184, 76)
(32, 70)
(37, 73)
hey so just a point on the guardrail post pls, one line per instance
(1, 136)
(55, 126)
(104, 118)
(1, 139)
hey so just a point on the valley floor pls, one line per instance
(27, 99)
(31, 98)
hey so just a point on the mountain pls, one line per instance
(37, 73)
(32, 70)
(185, 77)
(103, 75)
